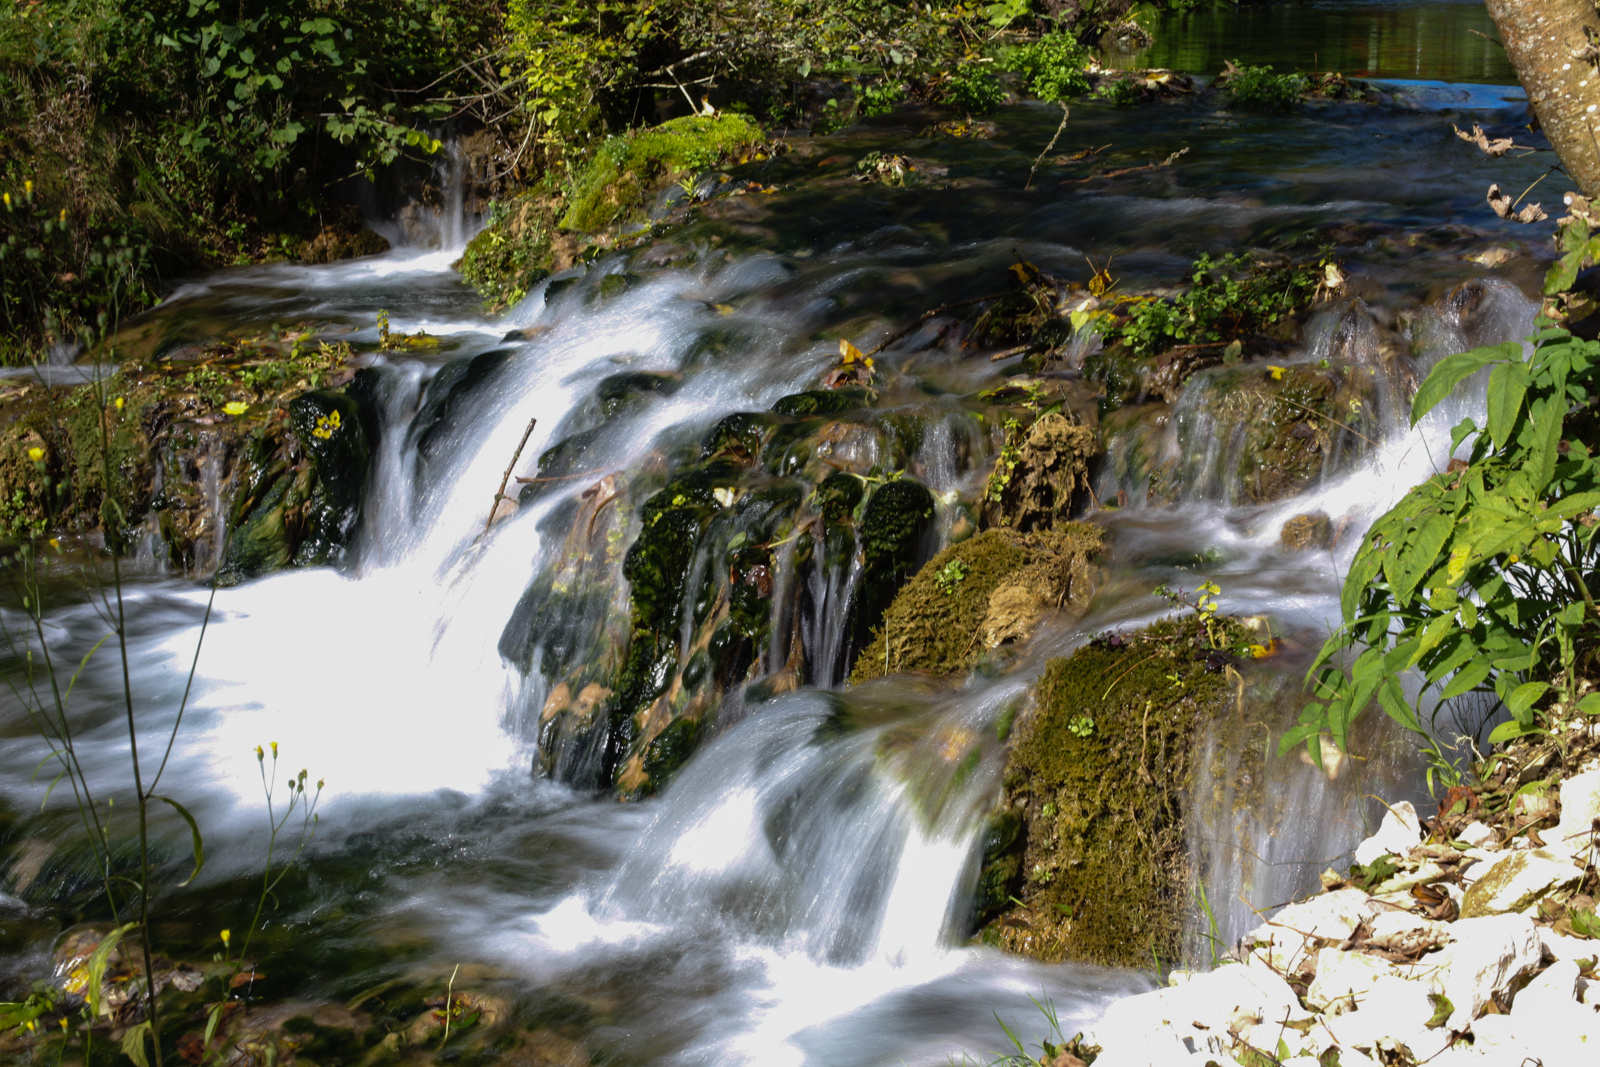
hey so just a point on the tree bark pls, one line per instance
(1541, 39)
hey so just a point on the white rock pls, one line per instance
(1476, 834)
(1580, 806)
(1501, 1039)
(1564, 947)
(1588, 993)
(1159, 1027)
(1284, 942)
(1398, 834)
(1395, 1010)
(1558, 983)
(1407, 934)
(1518, 880)
(1484, 958)
(1344, 980)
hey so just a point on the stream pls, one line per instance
(792, 897)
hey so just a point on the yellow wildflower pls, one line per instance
(63, 216)
(7, 198)
(235, 407)
(1276, 372)
(36, 454)
(118, 403)
(227, 935)
(27, 187)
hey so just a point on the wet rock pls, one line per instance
(338, 241)
(1311, 530)
(1041, 474)
(823, 401)
(448, 401)
(1518, 880)
(895, 534)
(1398, 833)
(979, 594)
(1109, 745)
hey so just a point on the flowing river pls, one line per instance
(792, 897)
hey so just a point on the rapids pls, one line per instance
(801, 893)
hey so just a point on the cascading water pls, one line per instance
(801, 892)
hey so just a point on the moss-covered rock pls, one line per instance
(1098, 777)
(628, 170)
(976, 596)
(1041, 474)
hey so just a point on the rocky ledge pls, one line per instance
(1467, 938)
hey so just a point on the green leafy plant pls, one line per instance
(950, 576)
(1120, 92)
(1261, 89)
(973, 88)
(879, 99)
(1081, 726)
(1052, 67)
(1235, 294)
(1480, 580)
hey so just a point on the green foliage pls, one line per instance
(1120, 92)
(1051, 68)
(627, 168)
(1260, 89)
(879, 99)
(1480, 578)
(973, 88)
(950, 576)
(1234, 295)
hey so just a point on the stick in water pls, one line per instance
(1048, 147)
(500, 494)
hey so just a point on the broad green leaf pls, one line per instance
(1509, 731)
(1520, 702)
(1590, 705)
(1450, 371)
(133, 1044)
(1467, 679)
(1508, 383)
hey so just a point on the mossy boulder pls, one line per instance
(1041, 474)
(628, 170)
(977, 596)
(1099, 777)
(519, 246)
(895, 536)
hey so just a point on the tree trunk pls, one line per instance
(1541, 39)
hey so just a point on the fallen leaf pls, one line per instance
(1493, 149)
(1501, 204)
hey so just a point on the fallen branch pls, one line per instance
(500, 494)
(1169, 161)
(1033, 169)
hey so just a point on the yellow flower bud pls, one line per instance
(226, 936)
(63, 216)
(7, 198)
(36, 454)
(118, 403)
(27, 187)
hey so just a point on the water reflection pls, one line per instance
(1447, 40)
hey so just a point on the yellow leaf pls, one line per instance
(848, 352)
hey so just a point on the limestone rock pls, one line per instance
(1160, 1027)
(1580, 807)
(1562, 947)
(1399, 833)
(1285, 941)
(1395, 1013)
(1476, 834)
(1549, 1018)
(1408, 934)
(1485, 957)
(1518, 880)
(1558, 983)
(1345, 980)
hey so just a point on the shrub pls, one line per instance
(973, 88)
(1122, 92)
(1481, 579)
(1051, 68)
(1236, 294)
(1259, 88)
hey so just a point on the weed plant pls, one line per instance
(1258, 88)
(1051, 68)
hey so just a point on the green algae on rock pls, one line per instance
(1098, 775)
(1041, 473)
(942, 624)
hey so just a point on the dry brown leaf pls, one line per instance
(1501, 203)
(1493, 149)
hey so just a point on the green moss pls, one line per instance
(823, 401)
(513, 252)
(894, 526)
(930, 630)
(627, 170)
(1100, 774)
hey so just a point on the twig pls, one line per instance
(1169, 161)
(926, 315)
(1031, 170)
(500, 494)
